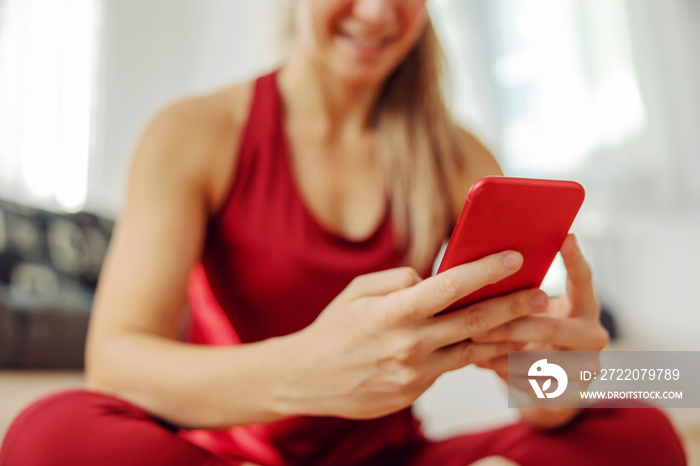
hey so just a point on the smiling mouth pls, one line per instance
(367, 43)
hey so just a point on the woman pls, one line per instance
(302, 212)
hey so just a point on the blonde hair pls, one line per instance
(419, 147)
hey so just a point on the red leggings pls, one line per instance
(79, 427)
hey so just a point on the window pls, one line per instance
(558, 74)
(47, 63)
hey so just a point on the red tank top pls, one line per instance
(269, 267)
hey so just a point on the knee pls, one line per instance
(643, 430)
(52, 424)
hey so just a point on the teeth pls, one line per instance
(367, 42)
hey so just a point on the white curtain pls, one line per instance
(79, 80)
(602, 90)
(47, 58)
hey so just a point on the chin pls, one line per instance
(361, 76)
(360, 73)
(358, 65)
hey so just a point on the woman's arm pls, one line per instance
(132, 350)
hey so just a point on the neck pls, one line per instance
(335, 107)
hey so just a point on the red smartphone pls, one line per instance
(531, 216)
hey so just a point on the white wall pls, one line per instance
(666, 36)
(647, 253)
(156, 51)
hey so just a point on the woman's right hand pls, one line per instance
(379, 344)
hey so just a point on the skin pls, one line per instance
(180, 174)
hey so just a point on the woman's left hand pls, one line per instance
(569, 322)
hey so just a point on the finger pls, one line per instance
(383, 282)
(462, 354)
(567, 333)
(579, 282)
(436, 293)
(446, 329)
(516, 376)
(499, 364)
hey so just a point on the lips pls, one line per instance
(367, 43)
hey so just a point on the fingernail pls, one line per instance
(512, 260)
(576, 246)
(538, 300)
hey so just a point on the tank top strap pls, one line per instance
(260, 130)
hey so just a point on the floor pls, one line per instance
(441, 415)
(19, 388)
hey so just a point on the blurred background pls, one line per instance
(604, 92)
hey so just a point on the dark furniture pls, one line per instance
(49, 266)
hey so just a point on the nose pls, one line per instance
(375, 12)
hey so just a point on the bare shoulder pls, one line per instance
(195, 139)
(479, 162)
